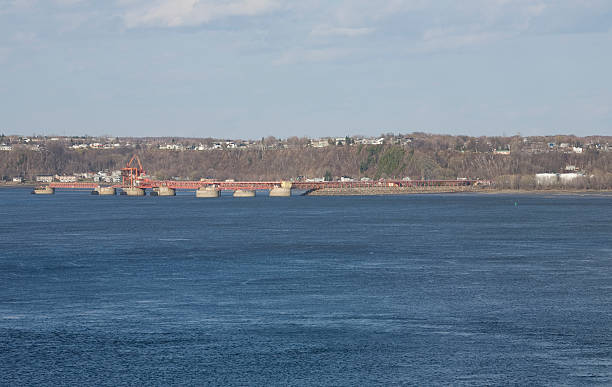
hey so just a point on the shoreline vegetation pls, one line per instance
(507, 162)
(445, 190)
(383, 191)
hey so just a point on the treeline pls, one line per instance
(516, 170)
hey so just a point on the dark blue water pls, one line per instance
(429, 289)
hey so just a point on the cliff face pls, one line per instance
(374, 161)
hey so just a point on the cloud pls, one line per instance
(178, 13)
(437, 41)
(294, 31)
(68, 3)
(311, 55)
(340, 31)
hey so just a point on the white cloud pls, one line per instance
(311, 55)
(68, 3)
(441, 40)
(340, 31)
(177, 13)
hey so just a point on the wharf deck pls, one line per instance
(267, 185)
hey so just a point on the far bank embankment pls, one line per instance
(371, 191)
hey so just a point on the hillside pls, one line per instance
(430, 157)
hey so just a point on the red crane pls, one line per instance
(131, 172)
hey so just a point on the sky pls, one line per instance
(254, 68)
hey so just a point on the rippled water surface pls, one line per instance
(427, 289)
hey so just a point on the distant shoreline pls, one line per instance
(398, 191)
(385, 191)
(18, 185)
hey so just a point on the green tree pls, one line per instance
(391, 162)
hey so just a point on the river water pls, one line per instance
(458, 289)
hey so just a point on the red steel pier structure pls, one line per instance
(133, 176)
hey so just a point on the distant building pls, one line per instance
(546, 178)
(505, 152)
(320, 143)
(577, 149)
(567, 178)
(44, 179)
(67, 179)
(175, 147)
(86, 175)
(18, 179)
(5, 147)
(372, 141)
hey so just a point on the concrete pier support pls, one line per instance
(207, 192)
(134, 191)
(165, 191)
(283, 191)
(106, 191)
(280, 192)
(244, 193)
(44, 190)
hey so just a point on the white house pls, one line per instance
(67, 179)
(504, 152)
(320, 143)
(546, 178)
(372, 141)
(44, 179)
(176, 147)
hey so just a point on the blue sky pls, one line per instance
(253, 68)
